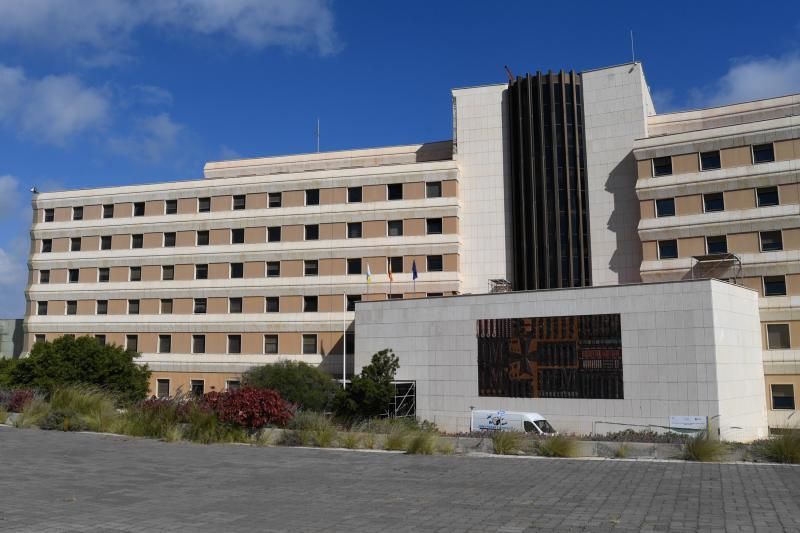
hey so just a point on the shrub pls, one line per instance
(445, 448)
(557, 446)
(701, 448)
(6, 365)
(3, 415)
(63, 420)
(397, 437)
(507, 442)
(94, 407)
(33, 413)
(369, 393)
(622, 451)
(783, 448)
(422, 443)
(202, 426)
(349, 440)
(154, 418)
(304, 385)
(313, 428)
(18, 399)
(249, 408)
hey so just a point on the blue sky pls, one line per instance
(111, 92)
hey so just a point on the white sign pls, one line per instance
(688, 422)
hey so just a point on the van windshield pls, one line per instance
(545, 426)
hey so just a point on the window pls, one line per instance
(200, 306)
(662, 166)
(77, 213)
(710, 160)
(767, 196)
(237, 270)
(108, 211)
(201, 272)
(49, 215)
(202, 238)
(164, 343)
(354, 195)
(136, 274)
(44, 276)
(133, 307)
(102, 307)
(433, 189)
(273, 304)
(169, 239)
(138, 209)
(137, 240)
(103, 275)
(312, 197)
(774, 286)
(354, 266)
(310, 304)
(351, 301)
(312, 232)
(395, 264)
(395, 296)
(198, 387)
(72, 275)
(434, 226)
(234, 305)
(167, 272)
(270, 344)
(350, 343)
(771, 241)
(198, 344)
(434, 294)
(310, 267)
(782, 396)
(105, 242)
(47, 246)
(274, 199)
(72, 307)
(162, 388)
(101, 339)
(395, 228)
(166, 306)
(274, 234)
(39, 338)
(75, 244)
(778, 336)
(717, 244)
(41, 308)
(239, 202)
(273, 269)
(233, 384)
(435, 263)
(763, 153)
(234, 344)
(132, 343)
(668, 249)
(203, 205)
(171, 207)
(309, 344)
(665, 207)
(713, 202)
(354, 230)
(394, 191)
(237, 236)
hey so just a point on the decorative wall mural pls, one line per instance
(550, 357)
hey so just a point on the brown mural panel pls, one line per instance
(153, 240)
(372, 229)
(787, 150)
(691, 246)
(154, 208)
(218, 271)
(184, 272)
(219, 237)
(332, 267)
(791, 239)
(62, 214)
(450, 225)
(647, 209)
(253, 304)
(291, 304)
(92, 212)
(650, 251)
(744, 243)
(336, 230)
(92, 242)
(118, 274)
(374, 193)
(740, 199)
(689, 205)
(60, 245)
(118, 307)
(336, 195)
(254, 269)
(644, 168)
(149, 306)
(121, 241)
(182, 306)
(221, 203)
(735, 157)
(414, 190)
(86, 307)
(793, 284)
(789, 193)
(450, 188)
(185, 238)
(291, 268)
(293, 233)
(187, 206)
(151, 272)
(685, 164)
(331, 303)
(216, 343)
(255, 235)
(414, 227)
(87, 275)
(377, 265)
(290, 342)
(293, 199)
(217, 306)
(257, 200)
(449, 262)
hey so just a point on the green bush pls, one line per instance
(350, 440)
(557, 446)
(782, 448)
(93, 407)
(507, 442)
(702, 448)
(307, 386)
(6, 366)
(63, 420)
(3, 415)
(314, 429)
(33, 414)
(203, 426)
(422, 443)
(156, 419)
(370, 393)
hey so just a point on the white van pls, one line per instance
(510, 421)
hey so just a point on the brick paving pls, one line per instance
(59, 482)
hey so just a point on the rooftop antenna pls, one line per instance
(633, 54)
(317, 134)
(508, 73)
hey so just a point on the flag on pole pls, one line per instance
(414, 274)
(391, 278)
(369, 274)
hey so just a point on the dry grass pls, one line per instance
(507, 442)
(703, 449)
(557, 446)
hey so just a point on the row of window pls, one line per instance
(198, 387)
(394, 191)
(760, 153)
(394, 228)
(714, 202)
(769, 241)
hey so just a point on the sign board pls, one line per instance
(696, 423)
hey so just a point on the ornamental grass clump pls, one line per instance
(350, 440)
(203, 426)
(557, 446)
(622, 451)
(83, 408)
(782, 448)
(421, 443)
(312, 429)
(703, 449)
(33, 413)
(154, 418)
(507, 442)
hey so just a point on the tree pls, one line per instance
(371, 392)
(307, 386)
(69, 360)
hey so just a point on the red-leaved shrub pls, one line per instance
(19, 399)
(249, 408)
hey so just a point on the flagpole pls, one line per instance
(344, 341)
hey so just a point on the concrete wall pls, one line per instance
(11, 338)
(688, 348)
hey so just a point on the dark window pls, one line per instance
(434, 294)
(665, 207)
(273, 304)
(774, 286)
(395, 264)
(234, 344)
(309, 344)
(274, 234)
(273, 269)
(72, 275)
(44, 276)
(782, 396)
(137, 240)
(201, 272)
(710, 160)
(49, 215)
(162, 388)
(395, 228)
(433, 189)
(138, 209)
(354, 230)
(434, 226)
(270, 344)
(354, 265)
(763, 153)
(237, 236)
(108, 211)
(133, 307)
(136, 274)
(132, 343)
(350, 343)
(239, 202)
(395, 297)
(717, 244)
(771, 241)
(103, 275)
(75, 244)
(169, 239)
(198, 344)
(200, 306)
(274, 199)
(310, 267)
(47, 246)
(166, 306)
(668, 249)
(39, 338)
(767, 196)
(354, 194)
(312, 197)
(713, 202)
(102, 307)
(72, 307)
(171, 207)
(662, 166)
(351, 301)
(41, 308)
(233, 384)
(435, 263)
(202, 238)
(203, 205)
(237, 270)
(310, 304)
(168, 272)
(394, 191)
(312, 232)
(77, 213)
(778, 336)
(105, 242)
(101, 339)
(198, 387)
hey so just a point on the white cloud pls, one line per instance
(152, 95)
(153, 138)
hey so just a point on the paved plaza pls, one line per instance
(53, 481)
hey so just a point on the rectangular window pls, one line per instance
(39, 338)
(171, 207)
(237, 236)
(200, 306)
(312, 197)
(44, 276)
(274, 199)
(354, 230)
(309, 344)
(273, 304)
(133, 307)
(717, 244)
(351, 301)
(239, 202)
(102, 307)
(354, 266)
(77, 213)
(310, 267)
(767, 196)
(778, 336)
(49, 215)
(433, 189)
(198, 387)
(782, 396)
(763, 153)
(72, 307)
(233, 384)
(713, 202)
(237, 270)
(668, 249)
(310, 304)
(234, 305)
(354, 195)
(103, 275)
(132, 343)
(164, 343)
(41, 308)
(395, 264)
(433, 226)
(395, 297)
(201, 272)
(274, 234)
(47, 246)
(75, 244)
(169, 239)
(710, 160)
(105, 242)
(312, 232)
(665, 207)
(270, 344)
(434, 294)
(394, 228)
(435, 263)
(202, 238)
(774, 286)
(394, 191)
(273, 269)
(138, 209)
(198, 344)
(72, 275)
(771, 241)
(166, 306)
(162, 388)
(136, 274)
(101, 339)
(234, 344)
(108, 211)
(137, 240)
(167, 272)
(203, 205)
(662, 166)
